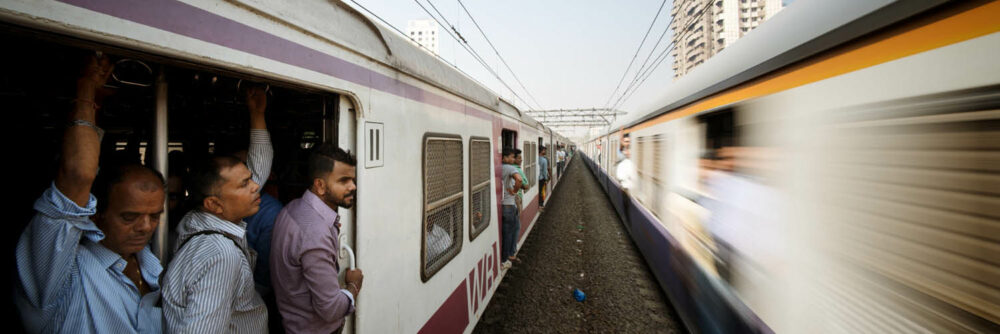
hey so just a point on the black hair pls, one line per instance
(109, 176)
(507, 150)
(205, 177)
(322, 158)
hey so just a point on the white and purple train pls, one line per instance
(427, 137)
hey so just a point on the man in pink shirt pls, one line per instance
(305, 244)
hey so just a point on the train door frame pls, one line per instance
(345, 121)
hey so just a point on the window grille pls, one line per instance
(479, 186)
(528, 162)
(443, 202)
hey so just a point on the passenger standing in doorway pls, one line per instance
(209, 285)
(626, 175)
(561, 160)
(625, 171)
(511, 181)
(259, 227)
(525, 185)
(543, 176)
(84, 263)
(305, 244)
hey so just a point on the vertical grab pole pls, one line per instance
(160, 161)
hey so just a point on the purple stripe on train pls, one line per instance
(183, 19)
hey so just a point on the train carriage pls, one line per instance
(835, 178)
(427, 137)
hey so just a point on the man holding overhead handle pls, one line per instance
(83, 263)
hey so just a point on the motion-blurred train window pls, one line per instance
(479, 186)
(443, 202)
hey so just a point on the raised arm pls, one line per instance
(81, 146)
(261, 153)
(47, 247)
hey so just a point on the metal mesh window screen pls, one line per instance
(479, 184)
(530, 157)
(443, 206)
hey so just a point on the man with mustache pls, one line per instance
(83, 263)
(304, 247)
(209, 285)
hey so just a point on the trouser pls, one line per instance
(542, 187)
(511, 228)
(561, 166)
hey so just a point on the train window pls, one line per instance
(528, 163)
(479, 186)
(720, 129)
(508, 138)
(443, 202)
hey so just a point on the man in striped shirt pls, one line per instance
(83, 263)
(209, 285)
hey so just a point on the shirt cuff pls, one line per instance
(349, 296)
(260, 136)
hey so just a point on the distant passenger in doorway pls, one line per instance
(305, 246)
(561, 160)
(209, 285)
(543, 176)
(525, 185)
(627, 176)
(625, 171)
(512, 182)
(84, 263)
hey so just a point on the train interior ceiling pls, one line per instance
(206, 112)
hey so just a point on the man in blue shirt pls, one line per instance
(543, 175)
(83, 263)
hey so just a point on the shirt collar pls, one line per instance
(317, 204)
(197, 221)
(151, 267)
(106, 257)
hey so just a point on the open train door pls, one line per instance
(344, 120)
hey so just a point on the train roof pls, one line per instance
(341, 24)
(801, 30)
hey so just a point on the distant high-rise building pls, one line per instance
(424, 32)
(702, 28)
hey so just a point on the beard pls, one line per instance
(341, 201)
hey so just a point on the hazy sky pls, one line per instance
(568, 54)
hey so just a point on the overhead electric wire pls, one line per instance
(643, 74)
(539, 105)
(467, 47)
(407, 36)
(476, 56)
(629, 67)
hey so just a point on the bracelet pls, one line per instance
(92, 103)
(76, 122)
(349, 284)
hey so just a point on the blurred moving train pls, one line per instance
(428, 137)
(836, 170)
